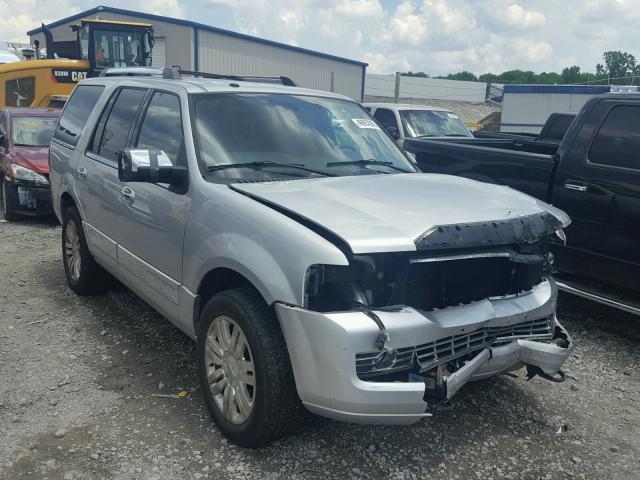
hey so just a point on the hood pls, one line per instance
(389, 213)
(33, 158)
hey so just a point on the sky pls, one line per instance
(433, 36)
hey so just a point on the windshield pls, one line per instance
(244, 135)
(32, 131)
(120, 48)
(432, 123)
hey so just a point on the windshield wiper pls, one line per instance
(370, 161)
(457, 135)
(224, 166)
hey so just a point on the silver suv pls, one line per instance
(285, 232)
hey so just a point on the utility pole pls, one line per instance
(396, 93)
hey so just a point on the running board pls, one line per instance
(609, 300)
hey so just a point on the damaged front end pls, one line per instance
(401, 333)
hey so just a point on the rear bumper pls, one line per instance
(323, 348)
(30, 199)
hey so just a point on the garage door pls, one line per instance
(159, 53)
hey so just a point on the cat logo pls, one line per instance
(67, 75)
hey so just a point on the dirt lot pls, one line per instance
(79, 379)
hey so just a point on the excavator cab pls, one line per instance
(110, 43)
(95, 46)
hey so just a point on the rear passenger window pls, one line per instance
(76, 112)
(162, 127)
(111, 135)
(618, 140)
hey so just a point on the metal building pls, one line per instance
(195, 46)
(525, 108)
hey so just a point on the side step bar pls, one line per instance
(578, 290)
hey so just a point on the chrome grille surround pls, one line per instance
(428, 355)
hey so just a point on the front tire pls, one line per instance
(9, 202)
(245, 371)
(84, 275)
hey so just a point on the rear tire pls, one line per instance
(246, 380)
(9, 202)
(84, 275)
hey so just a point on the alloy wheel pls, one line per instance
(230, 370)
(72, 249)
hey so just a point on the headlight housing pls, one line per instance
(24, 174)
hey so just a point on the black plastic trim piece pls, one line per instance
(527, 229)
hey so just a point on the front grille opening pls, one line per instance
(448, 283)
(420, 358)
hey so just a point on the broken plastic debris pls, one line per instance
(562, 429)
(183, 394)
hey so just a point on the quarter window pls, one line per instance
(109, 141)
(618, 140)
(19, 92)
(76, 113)
(162, 127)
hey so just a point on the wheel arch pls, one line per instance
(216, 281)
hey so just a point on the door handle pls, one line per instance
(576, 186)
(128, 194)
(82, 171)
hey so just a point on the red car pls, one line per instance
(25, 134)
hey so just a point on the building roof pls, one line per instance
(189, 23)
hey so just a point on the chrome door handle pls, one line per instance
(128, 194)
(82, 171)
(576, 186)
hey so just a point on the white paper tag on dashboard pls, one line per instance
(365, 123)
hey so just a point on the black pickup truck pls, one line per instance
(594, 176)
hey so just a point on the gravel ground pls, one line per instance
(80, 379)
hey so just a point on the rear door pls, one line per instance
(152, 217)
(98, 171)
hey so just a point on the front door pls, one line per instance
(152, 217)
(614, 158)
(97, 172)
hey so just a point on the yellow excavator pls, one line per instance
(99, 44)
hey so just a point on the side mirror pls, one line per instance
(394, 132)
(149, 166)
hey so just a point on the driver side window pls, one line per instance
(162, 127)
(386, 118)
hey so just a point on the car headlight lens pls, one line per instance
(22, 173)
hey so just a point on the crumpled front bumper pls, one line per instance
(323, 348)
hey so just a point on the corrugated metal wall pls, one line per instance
(219, 53)
(225, 54)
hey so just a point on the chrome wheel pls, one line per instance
(72, 249)
(230, 370)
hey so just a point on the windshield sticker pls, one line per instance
(365, 123)
(452, 115)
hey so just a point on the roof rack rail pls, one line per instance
(176, 73)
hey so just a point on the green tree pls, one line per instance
(617, 66)
(464, 75)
